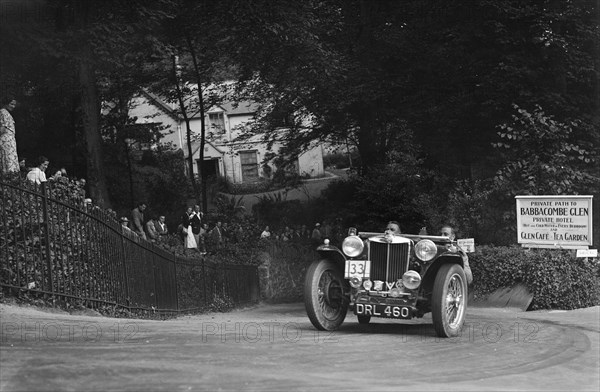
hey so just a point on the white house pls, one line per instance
(239, 162)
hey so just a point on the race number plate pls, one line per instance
(360, 268)
(399, 312)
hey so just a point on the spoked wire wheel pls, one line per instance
(449, 300)
(325, 296)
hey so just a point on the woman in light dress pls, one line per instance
(9, 162)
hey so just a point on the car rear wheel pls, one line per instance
(325, 295)
(449, 300)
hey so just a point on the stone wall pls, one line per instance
(283, 270)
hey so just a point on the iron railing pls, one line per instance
(51, 245)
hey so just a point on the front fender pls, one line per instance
(432, 269)
(333, 254)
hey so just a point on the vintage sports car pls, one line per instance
(392, 276)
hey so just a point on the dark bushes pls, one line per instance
(556, 278)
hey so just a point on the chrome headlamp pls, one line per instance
(411, 279)
(425, 250)
(353, 246)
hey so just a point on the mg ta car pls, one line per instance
(390, 276)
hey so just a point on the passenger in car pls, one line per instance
(450, 232)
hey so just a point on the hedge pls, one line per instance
(556, 278)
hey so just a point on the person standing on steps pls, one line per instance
(196, 223)
(9, 162)
(137, 215)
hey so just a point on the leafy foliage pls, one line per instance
(556, 278)
(545, 156)
(157, 178)
(476, 210)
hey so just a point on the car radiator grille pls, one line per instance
(388, 261)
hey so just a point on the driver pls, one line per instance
(393, 227)
(448, 231)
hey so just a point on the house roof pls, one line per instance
(243, 107)
(160, 103)
(230, 108)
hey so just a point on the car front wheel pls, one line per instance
(325, 295)
(449, 300)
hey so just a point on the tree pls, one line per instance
(541, 157)
(191, 34)
(449, 71)
(86, 39)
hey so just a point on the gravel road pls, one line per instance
(274, 348)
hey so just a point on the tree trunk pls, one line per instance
(187, 123)
(201, 171)
(91, 130)
(370, 155)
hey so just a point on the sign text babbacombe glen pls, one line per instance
(554, 221)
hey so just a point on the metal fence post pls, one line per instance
(155, 283)
(124, 260)
(204, 281)
(47, 234)
(176, 282)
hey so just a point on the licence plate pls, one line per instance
(360, 268)
(390, 311)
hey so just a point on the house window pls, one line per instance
(217, 122)
(249, 165)
(282, 118)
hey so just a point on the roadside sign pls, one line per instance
(467, 244)
(587, 252)
(554, 221)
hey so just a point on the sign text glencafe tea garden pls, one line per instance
(554, 221)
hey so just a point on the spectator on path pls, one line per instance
(266, 234)
(288, 234)
(203, 238)
(450, 232)
(216, 235)
(184, 225)
(316, 233)
(237, 234)
(125, 225)
(185, 218)
(151, 229)
(23, 168)
(62, 173)
(138, 220)
(196, 222)
(225, 233)
(38, 173)
(189, 240)
(9, 162)
(161, 227)
(112, 214)
(298, 235)
(305, 232)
